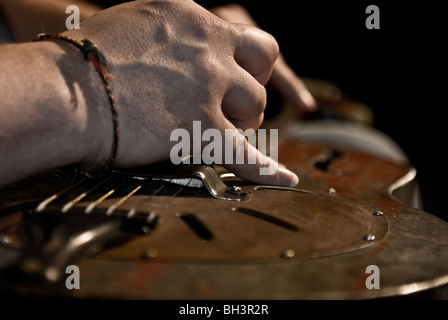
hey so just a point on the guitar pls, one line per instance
(198, 232)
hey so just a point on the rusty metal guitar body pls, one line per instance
(198, 232)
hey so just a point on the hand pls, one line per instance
(283, 78)
(173, 63)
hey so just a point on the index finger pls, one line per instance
(241, 157)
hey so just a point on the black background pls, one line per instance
(396, 70)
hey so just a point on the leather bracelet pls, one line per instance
(92, 53)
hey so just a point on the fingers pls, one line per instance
(283, 78)
(256, 51)
(247, 162)
(234, 13)
(243, 105)
(244, 101)
(280, 177)
(291, 87)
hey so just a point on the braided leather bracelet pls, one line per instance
(92, 53)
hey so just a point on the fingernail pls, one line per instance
(287, 177)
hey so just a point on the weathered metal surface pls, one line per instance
(412, 257)
(314, 241)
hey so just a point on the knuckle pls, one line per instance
(261, 100)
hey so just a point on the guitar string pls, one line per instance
(133, 211)
(70, 204)
(67, 206)
(94, 204)
(53, 197)
(122, 200)
(165, 204)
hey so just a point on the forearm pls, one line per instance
(173, 63)
(51, 114)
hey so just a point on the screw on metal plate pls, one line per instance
(235, 189)
(237, 192)
(5, 239)
(150, 254)
(288, 254)
(10, 242)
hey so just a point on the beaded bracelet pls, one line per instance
(92, 53)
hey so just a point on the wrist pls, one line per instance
(83, 111)
(77, 106)
(91, 53)
(53, 110)
(94, 121)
